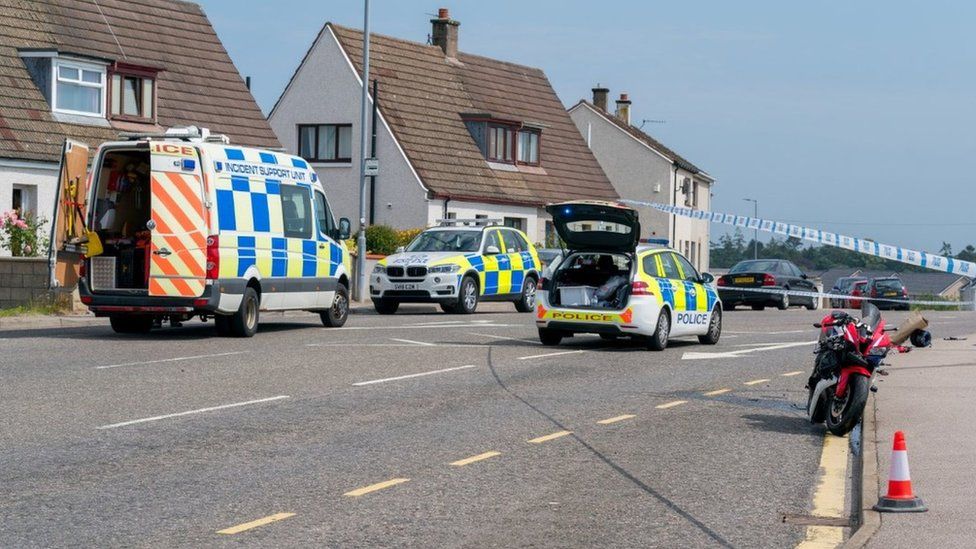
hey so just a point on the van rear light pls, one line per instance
(769, 280)
(200, 302)
(213, 257)
(639, 287)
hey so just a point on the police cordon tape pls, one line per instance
(869, 247)
(846, 297)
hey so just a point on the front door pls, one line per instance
(68, 235)
(178, 222)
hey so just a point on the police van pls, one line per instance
(457, 264)
(608, 284)
(183, 224)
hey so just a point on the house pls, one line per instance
(457, 136)
(642, 168)
(88, 69)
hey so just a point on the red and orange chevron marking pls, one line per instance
(177, 209)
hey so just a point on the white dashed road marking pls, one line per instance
(200, 411)
(409, 376)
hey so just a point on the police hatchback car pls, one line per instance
(456, 265)
(609, 285)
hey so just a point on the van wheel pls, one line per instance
(337, 314)
(126, 324)
(385, 306)
(550, 337)
(467, 301)
(526, 302)
(714, 332)
(659, 341)
(244, 323)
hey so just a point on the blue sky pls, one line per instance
(855, 117)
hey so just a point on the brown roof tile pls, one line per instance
(422, 95)
(197, 75)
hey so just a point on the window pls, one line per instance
(324, 215)
(500, 143)
(515, 223)
(296, 212)
(670, 268)
(133, 93)
(24, 199)
(528, 147)
(491, 239)
(325, 142)
(513, 243)
(446, 241)
(691, 275)
(79, 88)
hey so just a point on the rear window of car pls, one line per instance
(889, 284)
(756, 266)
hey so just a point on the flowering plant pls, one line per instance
(21, 234)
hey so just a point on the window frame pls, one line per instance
(510, 234)
(304, 192)
(684, 263)
(123, 71)
(514, 129)
(486, 241)
(538, 146)
(315, 145)
(102, 70)
(331, 229)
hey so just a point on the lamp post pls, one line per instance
(360, 290)
(755, 239)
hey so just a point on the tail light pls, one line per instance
(769, 280)
(639, 287)
(86, 300)
(83, 268)
(904, 292)
(213, 257)
(874, 292)
(722, 281)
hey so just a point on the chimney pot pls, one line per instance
(623, 108)
(445, 33)
(600, 97)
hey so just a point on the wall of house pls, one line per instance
(326, 91)
(37, 180)
(691, 236)
(534, 218)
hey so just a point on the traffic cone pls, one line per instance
(900, 498)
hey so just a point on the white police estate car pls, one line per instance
(609, 285)
(457, 265)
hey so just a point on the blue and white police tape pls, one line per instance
(843, 297)
(869, 247)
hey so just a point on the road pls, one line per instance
(419, 429)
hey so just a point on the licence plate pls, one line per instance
(404, 286)
(743, 280)
(891, 294)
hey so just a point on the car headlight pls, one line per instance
(379, 268)
(445, 269)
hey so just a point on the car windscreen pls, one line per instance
(888, 284)
(755, 266)
(446, 241)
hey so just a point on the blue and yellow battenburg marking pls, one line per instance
(249, 215)
(501, 273)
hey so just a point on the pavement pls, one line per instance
(929, 396)
(417, 429)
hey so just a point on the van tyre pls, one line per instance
(659, 341)
(842, 416)
(126, 324)
(467, 301)
(550, 337)
(526, 302)
(244, 323)
(336, 315)
(714, 332)
(385, 306)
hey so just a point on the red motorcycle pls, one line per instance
(848, 355)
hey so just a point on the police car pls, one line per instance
(183, 224)
(608, 284)
(458, 264)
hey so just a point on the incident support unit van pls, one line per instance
(184, 224)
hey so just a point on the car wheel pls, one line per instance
(526, 302)
(385, 306)
(128, 324)
(550, 337)
(659, 340)
(337, 314)
(467, 301)
(714, 332)
(814, 304)
(244, 323)
(785, 302)
(759, 307)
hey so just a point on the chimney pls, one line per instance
(445, 33)
(600, 97)
(623, 108)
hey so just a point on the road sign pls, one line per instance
(371, 166)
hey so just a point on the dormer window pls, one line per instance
(133, 93)
(79, 88)
(528, 147)
(504, 141)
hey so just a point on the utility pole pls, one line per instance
(360, 291)
(755, 215)
(372, 154)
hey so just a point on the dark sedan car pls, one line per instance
(890, 291)
(765, 274)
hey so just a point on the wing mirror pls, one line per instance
(344, 228)
(707, 278)
(804, 276)
(492, 250)
(400, 249)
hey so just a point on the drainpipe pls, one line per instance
(674, 202)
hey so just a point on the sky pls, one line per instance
(852, 117)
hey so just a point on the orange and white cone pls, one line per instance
(900, 498)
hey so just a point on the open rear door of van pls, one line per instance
(68, 238)
(178, 221)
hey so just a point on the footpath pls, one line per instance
(930, 395)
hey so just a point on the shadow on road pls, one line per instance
(790, 425)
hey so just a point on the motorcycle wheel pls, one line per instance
(843, 414)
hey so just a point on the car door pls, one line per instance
(492, 251)
(510, 281)
(70, 215)
(329, 255)
(698, 299)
